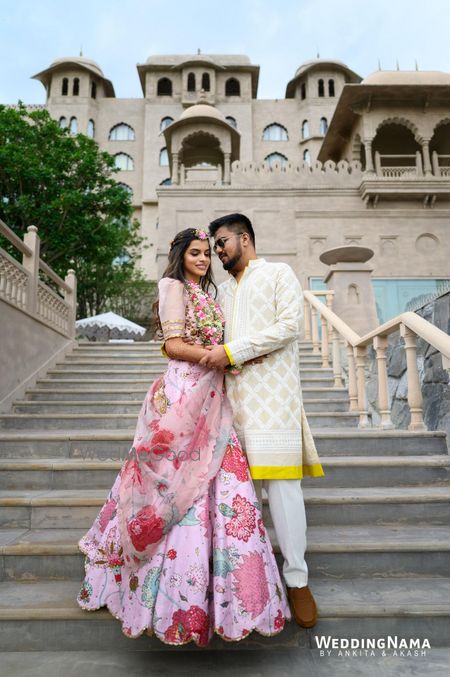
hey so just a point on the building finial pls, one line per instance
(379, 65)
(198, 51)
(398, 66)
(318, 55)
(417, 65)
(81, 50)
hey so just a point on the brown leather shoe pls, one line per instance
(303, 606)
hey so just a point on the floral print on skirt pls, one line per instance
(215, 571)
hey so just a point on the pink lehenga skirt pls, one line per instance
(212, 571)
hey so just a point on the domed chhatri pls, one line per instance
(203, 110)
(401, 78)
(347, 254)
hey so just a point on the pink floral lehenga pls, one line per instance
(179, 549)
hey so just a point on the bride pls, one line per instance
(179, 549)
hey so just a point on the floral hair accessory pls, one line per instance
(201, 234)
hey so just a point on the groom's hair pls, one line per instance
(238, 223)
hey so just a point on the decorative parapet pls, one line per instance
(343, 174)
(21, 287)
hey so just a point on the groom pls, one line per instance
(263, 308)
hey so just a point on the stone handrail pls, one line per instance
(21, 287)
(335, 330)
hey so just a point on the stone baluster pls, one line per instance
(307, 316)
(352, 385)
(71, 298)
(325, 344)
(31, 264)
(315, 332)
(414, 390)
(337, 369)
(360, 357)
(380, 344)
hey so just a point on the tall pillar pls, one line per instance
(369, 158)
(227, 168)
(426, 157)
(175, 170)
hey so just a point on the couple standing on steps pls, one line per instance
(179, 549)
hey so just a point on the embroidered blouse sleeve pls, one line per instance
(171, 307)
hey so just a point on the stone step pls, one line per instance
(126, 405)
(343, 552)
(76, 508)
(45, 614)
(346, 471)
(115, 444)
(82, 421)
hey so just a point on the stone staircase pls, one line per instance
(379, 535)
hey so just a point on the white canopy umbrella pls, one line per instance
(108, 326)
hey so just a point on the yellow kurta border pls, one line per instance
(289, 472)
(230, 357)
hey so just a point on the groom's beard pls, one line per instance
(230, 263)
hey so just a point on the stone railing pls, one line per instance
(21, 287)
(440, 164)
(336, 331)
(398, 166)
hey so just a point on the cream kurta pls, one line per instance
(263, 316)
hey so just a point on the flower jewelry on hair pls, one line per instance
(201, 234)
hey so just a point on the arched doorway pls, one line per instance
(440, 149)
(396, 151)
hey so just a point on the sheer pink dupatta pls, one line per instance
(181, 436)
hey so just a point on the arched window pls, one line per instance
(321, 88)
(323, 126)
(126, 187)
(305, 129)
(124, 162)
(206, 83)
(232, 87)
(122, 132)
(76, 87)
(163, 158)
(164, 87)
(191, 82)
(91, 129)
(73, 126)
(165, 122)
(276, 158)
(303, 90)
(65, 87)
(166, 182)
(62, 122)
(93, 90)
(231, 121)
(307, 156)
(275, 132)
(330, 87)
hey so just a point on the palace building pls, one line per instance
(340, 160)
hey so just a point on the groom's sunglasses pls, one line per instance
(219, 244)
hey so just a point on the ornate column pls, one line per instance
(227, 168)
(352, 387)
(369, 158)
(426, 157)
(175, 169)
(360, 358)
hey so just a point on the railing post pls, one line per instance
(360, 356)
(307, 315)
(337, 369)
(380, 344)
(71, 298)
(31, 264)
(352, 386)
(315, 331)
(414, 390)
(325, 345)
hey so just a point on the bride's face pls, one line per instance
(197, 259)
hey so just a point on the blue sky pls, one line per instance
(278, 36)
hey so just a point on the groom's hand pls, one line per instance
(216, 358)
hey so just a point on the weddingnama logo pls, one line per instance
(371, 646)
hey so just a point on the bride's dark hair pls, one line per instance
(175, 264)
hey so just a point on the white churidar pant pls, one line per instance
(287, 509)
